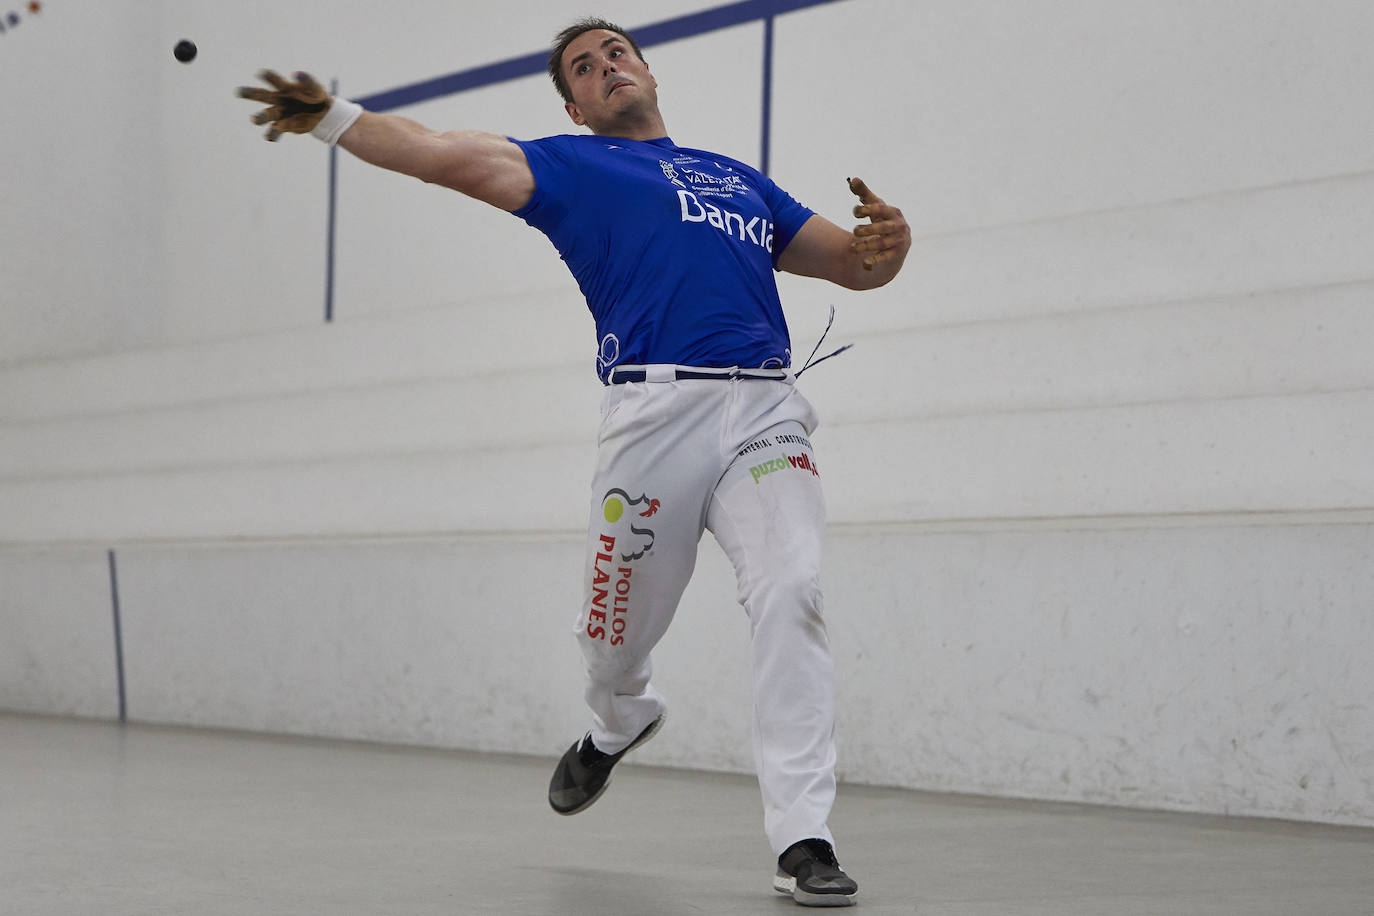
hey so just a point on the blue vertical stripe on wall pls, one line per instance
(332, 221)
(766, 127)
(118, 638)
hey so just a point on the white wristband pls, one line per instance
(339, 118)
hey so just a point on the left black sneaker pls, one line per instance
(584, 772)
(808, 871)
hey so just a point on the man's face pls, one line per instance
(607, 80)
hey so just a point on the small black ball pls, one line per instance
(185, 51)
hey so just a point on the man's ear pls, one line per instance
(573, 113)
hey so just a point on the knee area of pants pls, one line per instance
(619, 667)
(795, 597)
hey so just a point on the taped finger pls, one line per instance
(875, 243)
(865, 195)
(275, 78)
(874, 260)
(257, 94)
(298, 123)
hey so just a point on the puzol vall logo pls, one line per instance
(613, 508)
(800, 462)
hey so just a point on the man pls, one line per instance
(702, 427)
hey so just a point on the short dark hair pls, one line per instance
(568, 35)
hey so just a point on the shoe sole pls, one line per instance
(644, 736)
(586, 804)
(648, 733)
(784, 884)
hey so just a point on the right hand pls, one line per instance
(295, 108)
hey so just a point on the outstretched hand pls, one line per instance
(295, 107)
(886, 236)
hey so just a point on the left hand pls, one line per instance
(885, 236)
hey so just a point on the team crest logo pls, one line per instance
(614, 507)
(670, 173)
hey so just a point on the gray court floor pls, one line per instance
(96, 818)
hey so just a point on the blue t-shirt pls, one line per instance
(674, 248)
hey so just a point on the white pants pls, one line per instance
(731, 456)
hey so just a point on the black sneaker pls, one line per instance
(584, 772)
(808, 871)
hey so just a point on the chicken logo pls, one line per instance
(614, 506)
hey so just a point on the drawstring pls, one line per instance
(811, 360)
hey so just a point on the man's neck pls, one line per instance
(638, 132)
(646, 127)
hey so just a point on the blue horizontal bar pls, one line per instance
(720, 17)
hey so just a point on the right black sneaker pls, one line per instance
(584, 772)
(808, 871)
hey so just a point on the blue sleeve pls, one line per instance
(788, 216)
(553, 161)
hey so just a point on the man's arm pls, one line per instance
(867, 258)
(485, 166)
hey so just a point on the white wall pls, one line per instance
(1102, 509)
